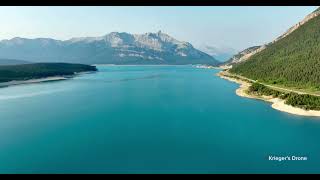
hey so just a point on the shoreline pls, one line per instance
(41, 80)
(31, 81)
(276, 103)
(211, 67)
(141, 64)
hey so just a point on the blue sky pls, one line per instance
(235, 27)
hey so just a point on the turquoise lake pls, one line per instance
(149, 119)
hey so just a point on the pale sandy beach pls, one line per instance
(11, 83)
(40, 80)
(277, 103)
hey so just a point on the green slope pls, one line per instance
(293, 61)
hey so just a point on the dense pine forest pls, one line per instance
(293, 61)
(40, 70)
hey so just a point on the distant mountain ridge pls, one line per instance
(242, 55)
(113, 48)
(222, 54)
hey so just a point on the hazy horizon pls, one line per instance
(222, 27)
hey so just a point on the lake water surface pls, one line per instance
(149, 119)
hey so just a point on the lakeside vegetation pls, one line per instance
(262, 90)
(304, 101)
(292, 62)
(40, 70)
(236, 77)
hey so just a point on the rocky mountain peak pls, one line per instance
(115, 47)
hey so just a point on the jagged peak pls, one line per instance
(152, 40)
(124, 36)
(118, 34)
(85, 39)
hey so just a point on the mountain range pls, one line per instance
(113, 48)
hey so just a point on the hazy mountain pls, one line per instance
(113, 48)
(291, 60)
(219, 53)
(242, 55)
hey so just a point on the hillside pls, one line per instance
(293, 60)
(40, 70)
(113, 48)
(247, 53)
(241, 56)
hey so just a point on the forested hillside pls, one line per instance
(292, 61)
